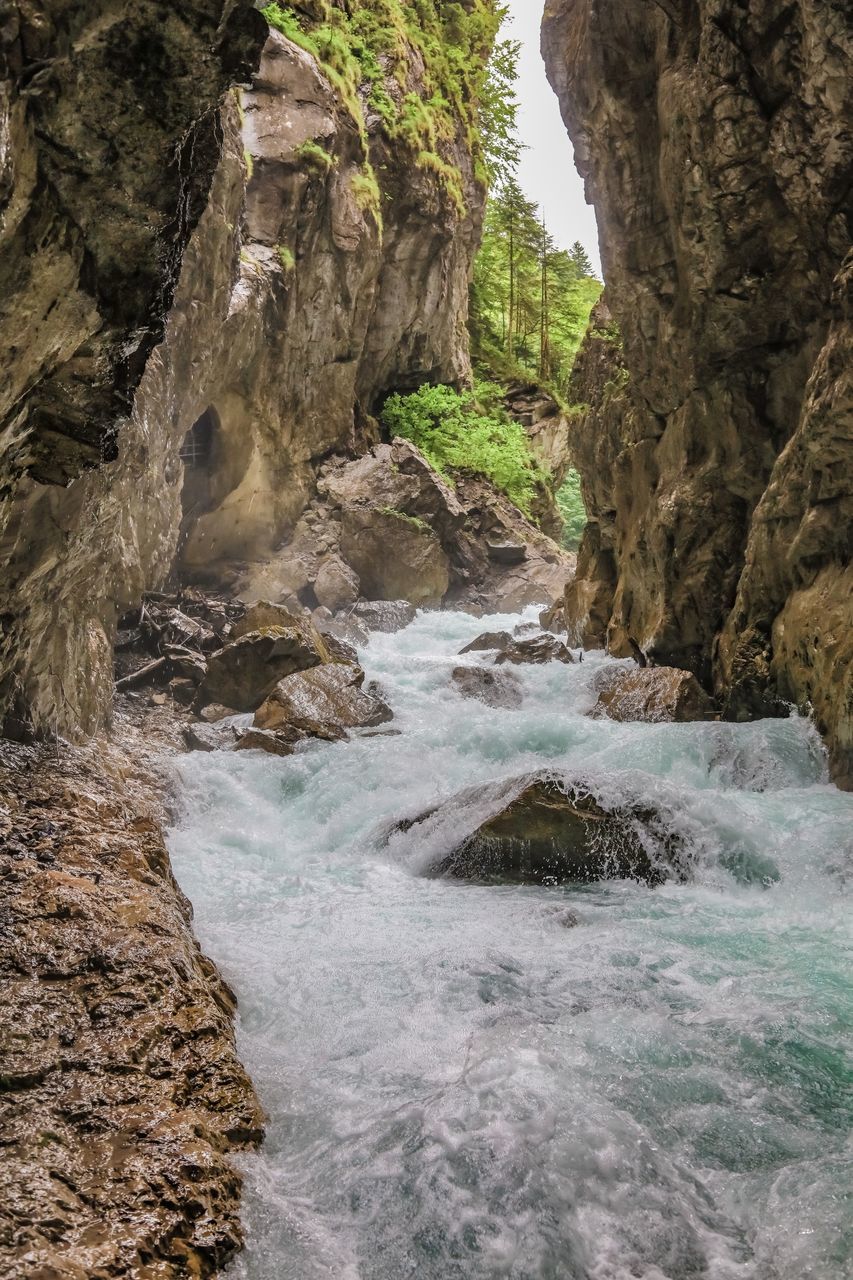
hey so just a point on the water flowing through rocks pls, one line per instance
(467, 1081)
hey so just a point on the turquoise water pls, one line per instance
(596, 1083)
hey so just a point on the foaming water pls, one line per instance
(592, 1083)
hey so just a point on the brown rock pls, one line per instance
(488, 640)
(652, 694)
(550, 834)
(495, 688)
(216, 711)
(122, 1091)
(396, 557)
(538, 650)
(279, 743)
(246, 671)
(336, 585)
(263, 615)
(323, 703)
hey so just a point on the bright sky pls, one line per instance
(548, 174)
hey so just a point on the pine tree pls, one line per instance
(581, 259)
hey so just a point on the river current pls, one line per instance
(469, 1082)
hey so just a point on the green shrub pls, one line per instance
(571, 507)
(464, 432)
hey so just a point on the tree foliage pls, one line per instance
(530, 300)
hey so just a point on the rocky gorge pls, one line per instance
(716, 144)
(400, 747)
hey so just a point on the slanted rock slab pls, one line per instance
(324, 703)
(488, 640)
(246, 671)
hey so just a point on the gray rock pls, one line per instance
(495, 688)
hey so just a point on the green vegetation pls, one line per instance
(415, 521)
(530, 301)
(571, 507)
(467, 432)
(286, 258)
(315, 157)
(368, 50)
(368, 196)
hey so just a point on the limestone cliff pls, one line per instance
(328, 268)
(715, 139)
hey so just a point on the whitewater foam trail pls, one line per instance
(471, 1082)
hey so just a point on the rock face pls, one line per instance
(295, 313)
(715, 141)
(110, 134)
(402, 532)
(121, 1090)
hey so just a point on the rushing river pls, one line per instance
(465, 1082)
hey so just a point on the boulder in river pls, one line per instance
(274, 743)
(245, 672)
(495, 688)
(652, 694)
(323, 703)
(488, 640)
(536, 830)
(537, 650)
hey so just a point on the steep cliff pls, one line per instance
(330, 266)
(716, 145)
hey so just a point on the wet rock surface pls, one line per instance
(324, 703)
(653, 695)
(121, 1093)
(495, 688)
(716, 457)
(545, 832)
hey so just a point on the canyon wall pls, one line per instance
(716, 143)
(327, 269)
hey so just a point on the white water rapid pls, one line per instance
(470, 1082)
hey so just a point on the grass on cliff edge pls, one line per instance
(468, 431)
(369, 51)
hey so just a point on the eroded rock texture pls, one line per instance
(120, 1090)
(716, 142)
(109, 139)
(294, 314)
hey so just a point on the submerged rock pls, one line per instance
(550, 833)
(245, 672)
(652, 694)
(495, 688)
(324, 703)
(209, 737)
